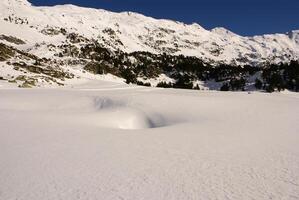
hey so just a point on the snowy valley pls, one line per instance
(110, 114)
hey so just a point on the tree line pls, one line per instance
(186, 70)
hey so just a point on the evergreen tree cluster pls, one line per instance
(187, 70)
(279, 77)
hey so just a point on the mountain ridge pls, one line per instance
(56, 43)
(136, 32)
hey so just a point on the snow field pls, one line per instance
(122, 142)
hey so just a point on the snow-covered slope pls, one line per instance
(113, 142)
(43, 27)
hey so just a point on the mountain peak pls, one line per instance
(223, 32)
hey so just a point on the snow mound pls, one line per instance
(126, 118)
(101, 103)
(121, 115)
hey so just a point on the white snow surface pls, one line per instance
(135, 32)
(108, 140)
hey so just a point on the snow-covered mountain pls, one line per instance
(50, 44)
(130, 32)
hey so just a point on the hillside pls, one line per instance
(68, 37)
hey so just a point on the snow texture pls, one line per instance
(108, 140)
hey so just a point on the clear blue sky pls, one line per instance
(245, 17)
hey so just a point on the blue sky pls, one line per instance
(245, 17)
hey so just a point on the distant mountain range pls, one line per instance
(59, 34)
